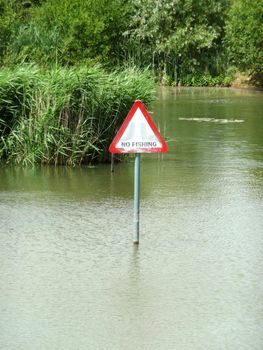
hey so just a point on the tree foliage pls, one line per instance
(7, 17)
(176, 35)
(244, 35)
(178, 39)
(70, 31)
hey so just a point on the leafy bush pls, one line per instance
(205, 80)
(244, 35)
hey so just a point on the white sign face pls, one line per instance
(138, 134)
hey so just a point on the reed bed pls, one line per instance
(65, 115)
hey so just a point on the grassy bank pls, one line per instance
(199, 80)
(65, 115)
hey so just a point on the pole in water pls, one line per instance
(112, 163)
(137, 134)
(136, 220)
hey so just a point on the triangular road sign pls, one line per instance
(138, 133)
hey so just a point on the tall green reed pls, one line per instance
(65, 115)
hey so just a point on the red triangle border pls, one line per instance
(138, 104)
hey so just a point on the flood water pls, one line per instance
(70, 277)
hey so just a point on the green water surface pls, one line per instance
(70, 277)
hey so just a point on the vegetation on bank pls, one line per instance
(65, 115)
(180, 40)
(59, 106)
(244, 35)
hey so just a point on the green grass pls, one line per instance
(65, 115)
(205, 80)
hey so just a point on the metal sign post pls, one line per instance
(138, 134)
(136, 220)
